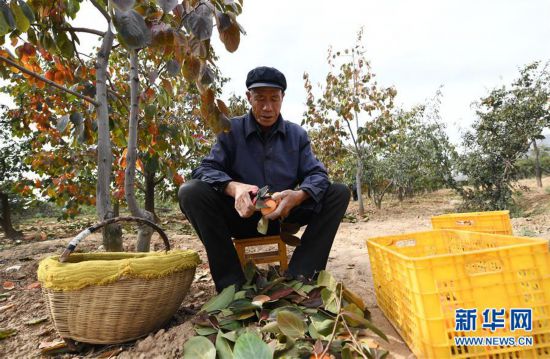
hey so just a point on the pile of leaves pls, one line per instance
(276, 317)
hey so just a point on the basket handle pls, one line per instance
(85, 233)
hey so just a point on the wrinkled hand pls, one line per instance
(241, 192)
(287, 200)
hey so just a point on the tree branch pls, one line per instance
(102, 11)
(140, 186)
(83, 29)
(120, 98)
(51, 83)
(159, 180)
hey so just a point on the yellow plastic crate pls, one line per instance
(420, 280)
(496, 222)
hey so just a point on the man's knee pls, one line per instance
(191, 192)
(340, 192)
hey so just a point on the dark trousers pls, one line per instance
(216, 221)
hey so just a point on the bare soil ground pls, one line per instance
(349, 262)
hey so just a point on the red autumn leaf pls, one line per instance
(8, 285)
(35, 285)
(281, 293)
(178, 179)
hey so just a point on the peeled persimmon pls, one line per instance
(271, 206)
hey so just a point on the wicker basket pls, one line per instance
(121, 307)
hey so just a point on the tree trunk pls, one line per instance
(150, 191)
(5, 220)
(112, 234)
(358, 176)
(378, 197)
(538, 171)
(400, 194)
(145, 232)
(116, 207)
(378, 201)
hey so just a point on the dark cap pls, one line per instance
(264, 76)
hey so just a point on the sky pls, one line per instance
(468, 47)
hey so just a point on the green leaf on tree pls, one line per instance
(167, 5)
(124, 5)
(199, 22)
(132, 29)
(8, 15)
(150, 111)
(4, 27)
(199, 348)
(76, 118)
(72, 8)
(7, 21)
(22, 22)
(27, 11)
(173, 67)
(61, 123)
(207, 76)
(65, 46)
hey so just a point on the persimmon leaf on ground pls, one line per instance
(199, 348)
(251, 346)
(291, 324)
(223, 349)
(6, 333)
(221, 301)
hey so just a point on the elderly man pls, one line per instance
(262, 149)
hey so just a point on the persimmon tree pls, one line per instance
(179, 32)
(510, 119)
(60, 131)
(63, 137)
(423, 159)
(353, 103)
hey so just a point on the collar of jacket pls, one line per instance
(251, 126)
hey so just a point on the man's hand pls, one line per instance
(241, 192)
(287, 199)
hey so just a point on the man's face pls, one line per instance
(266, 104)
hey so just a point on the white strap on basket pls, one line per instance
(76, 240)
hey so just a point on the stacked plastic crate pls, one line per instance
(475, 293)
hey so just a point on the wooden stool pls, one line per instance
(262, 257)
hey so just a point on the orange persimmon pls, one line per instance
(271, 206)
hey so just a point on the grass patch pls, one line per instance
(526, 232)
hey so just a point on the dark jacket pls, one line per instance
(281, 159)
